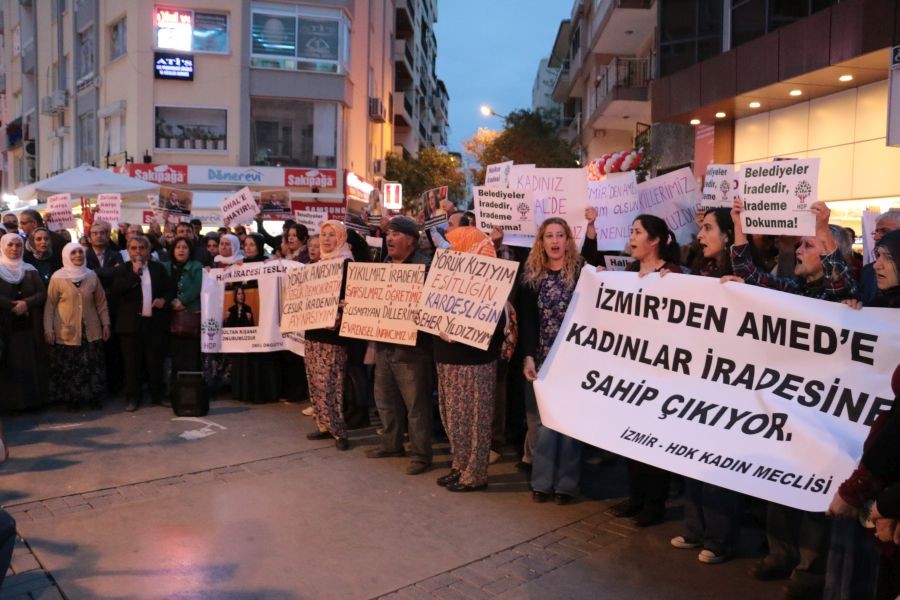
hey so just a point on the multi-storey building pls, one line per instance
(216, 94)
(542, 88)
(604, 56)
(761, 79)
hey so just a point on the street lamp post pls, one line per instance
(487, 111)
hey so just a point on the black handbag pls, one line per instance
(185, 324)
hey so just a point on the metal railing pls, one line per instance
(621, 74)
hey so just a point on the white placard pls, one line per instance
(381, 302)
(392, 196)
(497, 175)
(672, 197)
(465, 295)
(59, 212)
(509, 210)
(869, 222)
(109, 208)
(617, 263)
(239, 208)
(777, 196)
(758, 391)
(310, 295)
(616, 199)
(312, 219)
(720, 186)
(556, 193)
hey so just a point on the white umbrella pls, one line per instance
(87, 181)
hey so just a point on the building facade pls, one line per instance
(604, 53)
(542, 88)
(214, 94)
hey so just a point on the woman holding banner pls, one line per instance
(326, 353)
(545, 290)
(229, 251)
(652, 244)
(712, 515)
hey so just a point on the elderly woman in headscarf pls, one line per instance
(326, 353)
(217, 367)
(76, 323)
(22, 350)
(230, 250)
(467, 385)
(41, 255)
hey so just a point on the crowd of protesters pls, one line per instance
(82, 322)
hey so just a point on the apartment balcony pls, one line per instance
(570, 128)
(404, 19)
(404, 62)
(561, 88)
(403, 109)
(621, 96)
(622, 26)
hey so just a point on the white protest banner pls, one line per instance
(556, 193)
(59, 212)
(754, 390)
(381, 302)
(239, 310)
(464, 296)
(617, 263)
(508, 210)
(672, 197)
(614, 198)
(777, 196)
(312, 219)
(720, 186)
(240, 208)
(310, 295)
(497, 175)
(869, 221)
(109, 208)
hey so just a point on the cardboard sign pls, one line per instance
(312, 219)
(615, 198)
(758, 391)
(497, 175)
(275, 204)
(240, 208)
(777, 196)
(617, 263)
(381, 302)
(392, 195)
(508, 210)
(556, 193)
(465, 295)
(310, 295)
(59, 212)
(720, 186)
(109, 208)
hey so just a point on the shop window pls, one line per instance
(293, 134)
(117, 40)
(298, 38)
(187, 128)
(188, 30)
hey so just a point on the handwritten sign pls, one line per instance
(672, 197)
(109, 208)
(310, 296)
(720, 186)
(312, 219)
(777, 196)
(59, 212)
(497, 175)
(617, 263)
(382, 302)
(465, 295)
(508, 210)
(239, 208)
(556, 193)
(615, 199)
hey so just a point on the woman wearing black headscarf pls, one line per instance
(255, 376)
(41, 255)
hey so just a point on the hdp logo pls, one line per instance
(211, 328)
(523, 209)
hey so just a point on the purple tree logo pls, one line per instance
(523, 209)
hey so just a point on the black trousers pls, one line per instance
(647, 484)
(144, 349)
(7, 542)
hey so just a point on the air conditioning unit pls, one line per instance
(47, 106)
(378, 166)
(376, 110)
(60, 99)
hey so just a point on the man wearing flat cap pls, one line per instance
(403, 374)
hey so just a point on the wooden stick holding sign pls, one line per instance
(465, 295)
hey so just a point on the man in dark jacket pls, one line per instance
(142, 291)
(102, 258)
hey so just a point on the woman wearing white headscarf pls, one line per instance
(229, 250)
(22, 350)
(217, 367)
(76, 323)
(326, 353)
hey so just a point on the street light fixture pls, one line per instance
(487, 111)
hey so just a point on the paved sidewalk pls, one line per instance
(253, 510)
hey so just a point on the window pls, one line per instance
(187, 30)
(117, 40)
(293, 134)
(185, 128)
(87, 146)
(114, 132)
(303, 39)
(85, 53)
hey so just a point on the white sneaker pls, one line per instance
(709, 557)
(494, 457)
(309, 410)
(683, 543)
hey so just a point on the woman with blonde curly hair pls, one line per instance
(545, 290)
